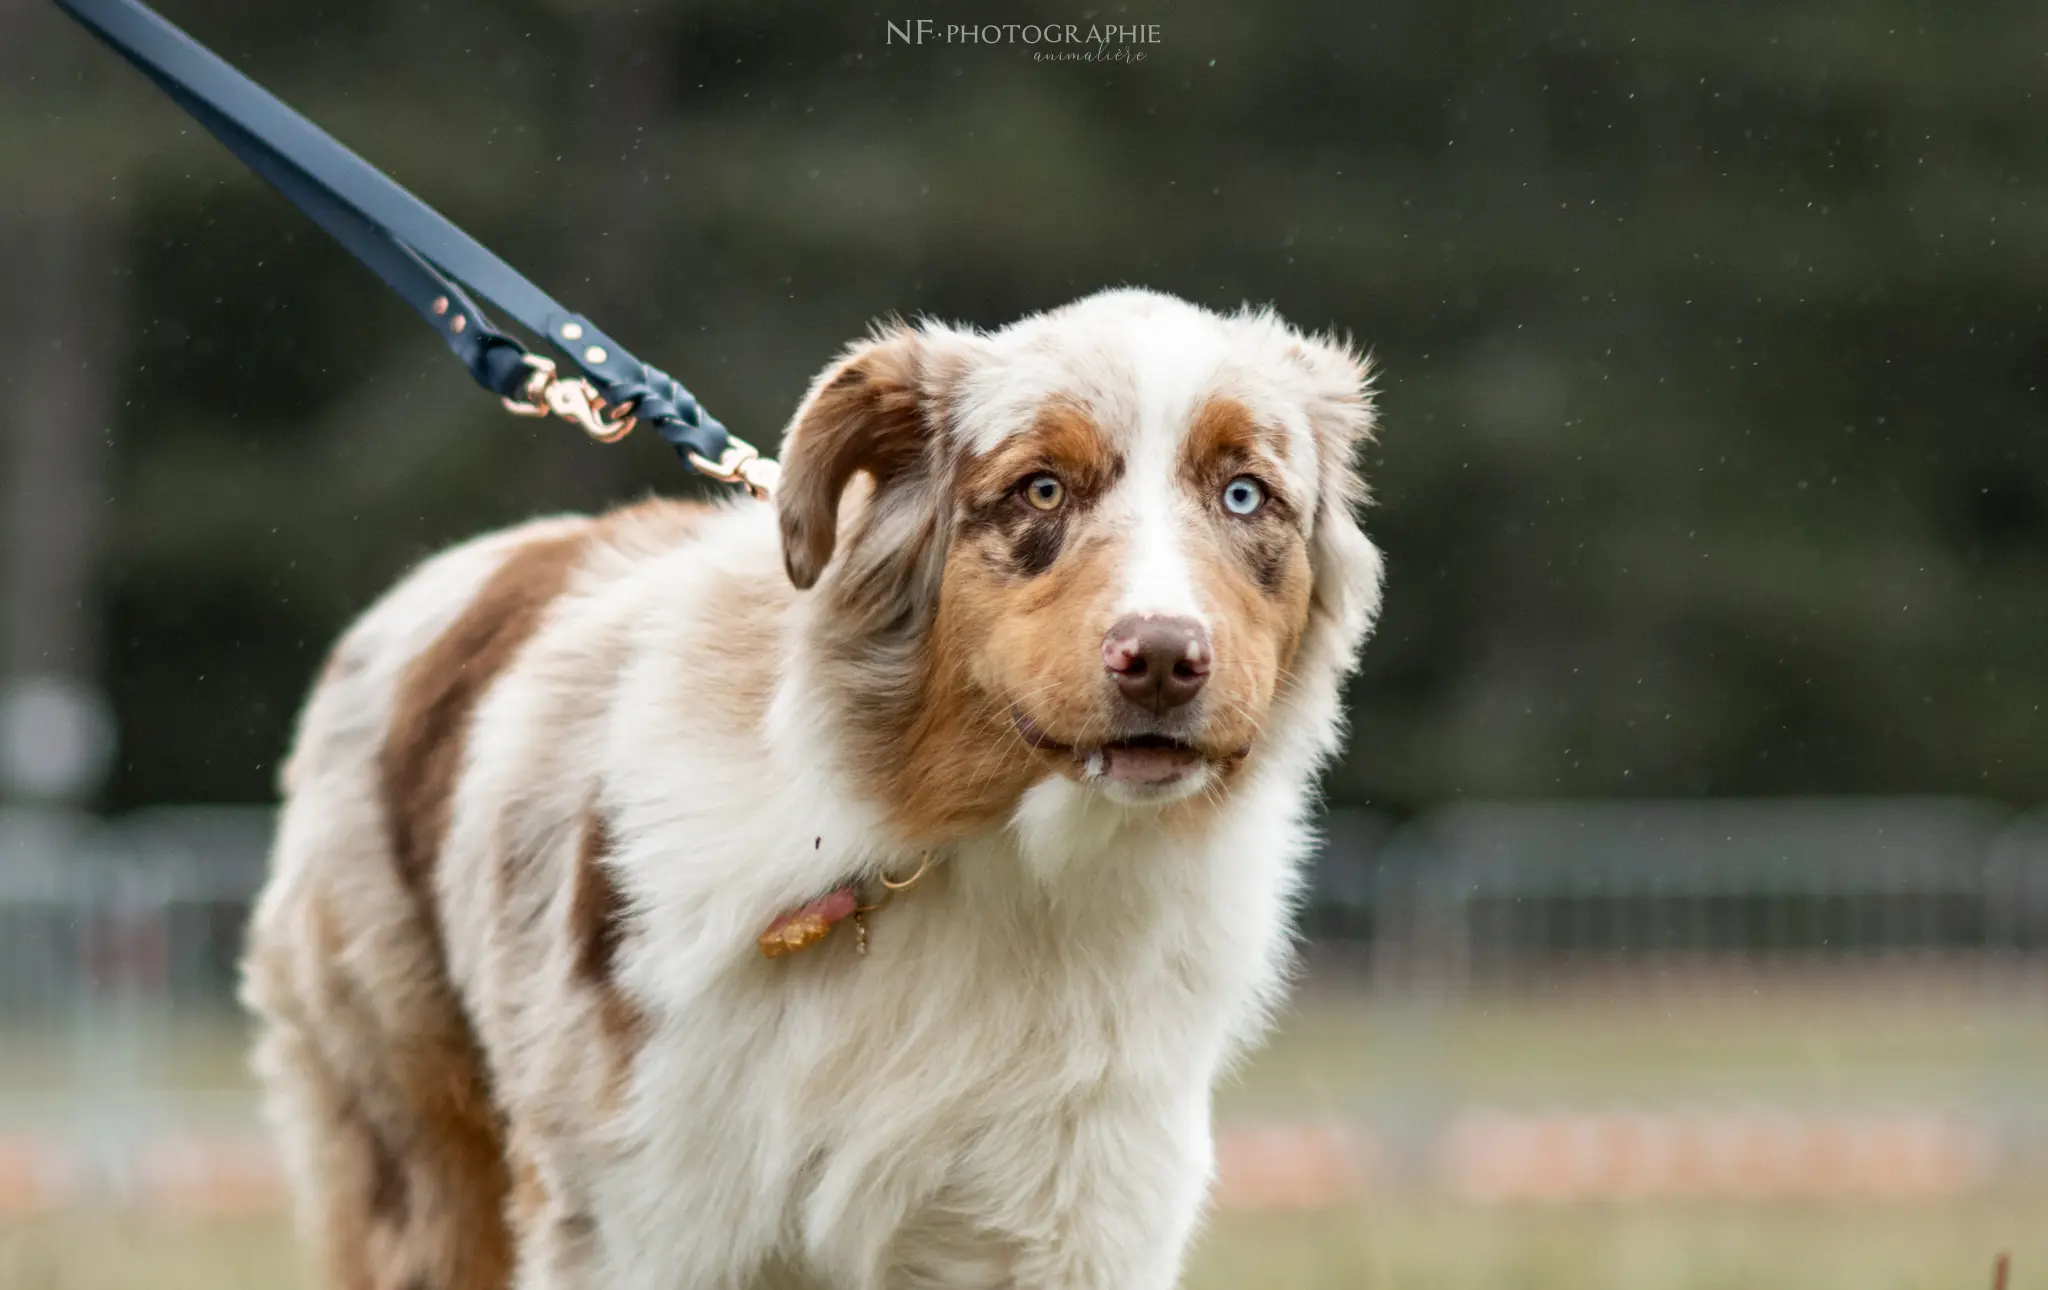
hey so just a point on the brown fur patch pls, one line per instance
(1032, 641)
(529, 1200)
(868, 415)
(453, 1231)
(424, 749)
(390, 1196)
(1064, 443)
(452, 1235)
(597, 926)
(1225, 430)
(1223, 443)
(958, 762)
(406, 1137)
(1064, 440)
(1255, 572)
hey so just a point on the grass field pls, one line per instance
(1927, 1035)
(1959, 1040)
(1397, 1245)
(1424, 1246)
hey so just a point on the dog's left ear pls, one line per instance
(882, 409)
(1346, 565)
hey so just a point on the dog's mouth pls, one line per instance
(1140, 761)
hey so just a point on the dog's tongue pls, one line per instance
(1140, 764)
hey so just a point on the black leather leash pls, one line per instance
(426, 259)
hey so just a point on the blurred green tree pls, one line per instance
(1711, 338)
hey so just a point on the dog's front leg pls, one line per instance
(1125, 1200)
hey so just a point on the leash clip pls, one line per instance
(575, 400)
(741, 463)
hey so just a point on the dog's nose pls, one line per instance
(1158, 663)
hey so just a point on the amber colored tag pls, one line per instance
(807, 924)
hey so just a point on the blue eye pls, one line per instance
(1243, 495)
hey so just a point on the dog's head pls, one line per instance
(1113, 542)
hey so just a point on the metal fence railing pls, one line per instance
(1419, 1059)
(153, 904)
(1483, 890)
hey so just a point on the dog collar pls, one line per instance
(810, 922)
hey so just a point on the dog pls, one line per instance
(861, 891)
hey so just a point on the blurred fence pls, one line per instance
(1489, 891)
(153, 904)
(121, 1068)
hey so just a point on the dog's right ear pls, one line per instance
(881, 409)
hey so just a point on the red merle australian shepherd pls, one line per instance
(862, 891)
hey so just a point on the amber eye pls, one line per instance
(1045, 492)
(1243, 495)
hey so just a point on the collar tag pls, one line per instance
(811, 922)
(808, 924)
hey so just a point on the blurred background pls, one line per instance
(1683, 920)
